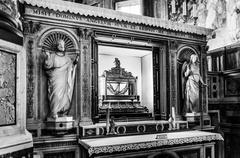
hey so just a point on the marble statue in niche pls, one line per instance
(191, 82)
(7, 88)
(61, 76)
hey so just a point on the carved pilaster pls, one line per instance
(173, 45)
(85, 35)
(204, 76)
(30, 79)
(30, 28)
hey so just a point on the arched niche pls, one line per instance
(183, 55)
(48, 42)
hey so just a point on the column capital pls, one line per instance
(85, 33)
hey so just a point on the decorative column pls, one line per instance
(30, 30)
(85, 35)
(205, 119)
(173, 46)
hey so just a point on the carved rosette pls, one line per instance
(85, 35)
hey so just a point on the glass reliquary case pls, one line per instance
(119, 94)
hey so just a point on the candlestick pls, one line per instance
(173, 3)
(108, 118)
(184, 7)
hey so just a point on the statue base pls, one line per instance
(193, 117)
(60, 125)
(206, 120)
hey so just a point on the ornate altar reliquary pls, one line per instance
(120, 93)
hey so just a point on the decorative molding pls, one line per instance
(76, 19)
(64, 6)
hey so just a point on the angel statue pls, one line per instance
(60, 71)
(192, 79)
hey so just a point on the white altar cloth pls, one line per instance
(138, 142)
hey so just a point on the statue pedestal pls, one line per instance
(60, 125)
(193, 117)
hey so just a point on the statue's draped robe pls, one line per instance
(192, 88)
(61, 74)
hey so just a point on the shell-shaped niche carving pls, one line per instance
(50, 41)
(184, 54)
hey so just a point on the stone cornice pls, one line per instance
(75, 8)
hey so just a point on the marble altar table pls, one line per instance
(146, 145)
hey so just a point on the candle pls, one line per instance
(174, 117)
(184, 7)
(108, 118)
(173, 3)
(194, 11)
(173, 113)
